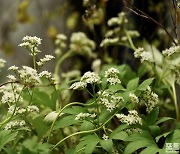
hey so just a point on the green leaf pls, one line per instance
(90, 146)
(107, 145)
(86, 125)
(42, 98)
(66, 121)
(163, 120)
(142, 136)
(145, 83)
(132, 84)
(150, 150)
(118, 135)
(163, 135)
(6, 136)
(88, 139)
(133, 146)
(40, 126)
(155, 130)
(104, 116)
(152, 117)
(74, 110)
(174, 137)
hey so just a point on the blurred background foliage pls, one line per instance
(47, 18)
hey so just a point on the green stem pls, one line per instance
(70, 104)
(83, 132)
(59, 62)
(130, 40)
(175, 102)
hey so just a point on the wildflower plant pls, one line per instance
(122, 110)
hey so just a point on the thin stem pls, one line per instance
(175, 102)
(70, 104)
(83, 132)
(59, 62)
(130, 40)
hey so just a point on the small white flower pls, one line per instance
(90, 77)
(14, 124)
(78, 85)
(133, 98)
(113, 81)
(82, 116)
(105, 137)
(45, 74)
(32, 108)
(172, 50)
(11, 77)
(13, 68)
(130, 119)
(29, 75)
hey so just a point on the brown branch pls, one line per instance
(144, 15)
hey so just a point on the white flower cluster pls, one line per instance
(18, 110)
(31, 43)
(78, 85)
(13, 68)
(60, 42)
(82, 116)
(130, 131)
(131, 118)
(44, 60)
(110, 100)
(121, 19)
(32, 108)
(143, 55)
(81, 44)
(172, 50)
(14, 124)
(10, 94)
(150, 99)
(45, 74)
(88, 77)
(2, 62)
(11, 78)
(109, 41)
(96, 65)
(29, 75)
(112, 76)
(134, 98)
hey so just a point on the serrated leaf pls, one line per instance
(6, 136)
(152, 117)
(66, 121)
(145, 83)
(132, 84)
(107, 145)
